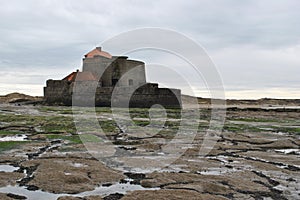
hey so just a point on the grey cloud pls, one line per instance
(51, 36)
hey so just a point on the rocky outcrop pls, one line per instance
(18, 98)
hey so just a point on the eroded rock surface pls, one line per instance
(10, 196)
(80, 198)
(170, 195)
(256, 157)
(9, 178)
(70, 175)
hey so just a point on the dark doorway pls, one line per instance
(114, 82)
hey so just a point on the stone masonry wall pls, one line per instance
(108, 67)
(57, 92)
(84, 94)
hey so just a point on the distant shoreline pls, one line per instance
(265, 102)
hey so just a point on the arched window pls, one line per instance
(130, 82)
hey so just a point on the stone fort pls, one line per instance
(107, 80)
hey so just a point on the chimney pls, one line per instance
(98, 48)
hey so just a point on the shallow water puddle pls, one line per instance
(102, 191)
(13, 138)
(281, 107)
(8, 168)
(116, 188)
(78, 165)
(217, 171)
(33, 195)
(287, 151)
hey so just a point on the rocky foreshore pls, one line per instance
(43, 157)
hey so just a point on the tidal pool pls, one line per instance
(8, 168)
(13, 138)
(121, 188)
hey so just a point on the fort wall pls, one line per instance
(88, 94)
(107, 80)
(57, 92)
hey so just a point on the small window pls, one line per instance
(130, 82)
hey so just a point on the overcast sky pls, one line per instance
(255, 44)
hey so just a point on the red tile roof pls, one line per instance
(80, 76)
(97, 52)
(71, 77)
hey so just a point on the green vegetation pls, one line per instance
(49, 109)
(7, 145)
(66, 112)
(58, 124)
(109, 126)
(240, 128)
(254, 120)
(144, 113)
(203, 126)
(294, 130)
(74, 139)
(89, 138)
(172, 124)
(16, 119)
(57, 109)
(166, 134)
(103, 110)
(48, 124)
(9, 132)
(141, 122)
(231, 127)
